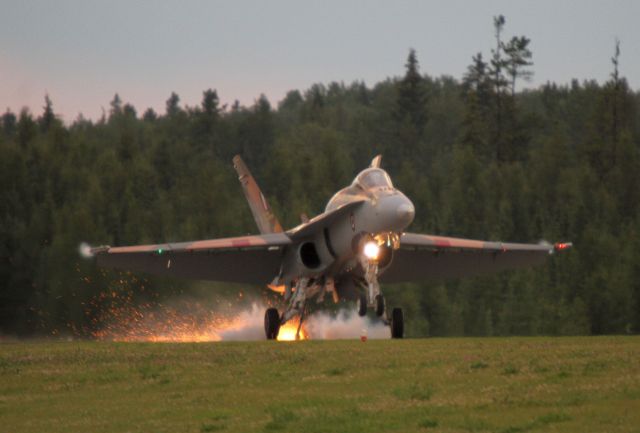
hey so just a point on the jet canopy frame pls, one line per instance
(373, 178)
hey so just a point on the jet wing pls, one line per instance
(425, 257)
(246, 259)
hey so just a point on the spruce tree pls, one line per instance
(411, 99)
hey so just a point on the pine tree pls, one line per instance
(207, 119)
(411, 99)
(210, 104)
(499, 84)
(26, 127)
(116, 107)
(48, 117)
(173, 105)
(518, 58)
(9, 122)
(149, 115)
(476, 86)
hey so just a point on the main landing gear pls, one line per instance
(271, 323)
(370, 297)
(296, 307)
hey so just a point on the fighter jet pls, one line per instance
(358, 242)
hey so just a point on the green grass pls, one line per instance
(508, 385)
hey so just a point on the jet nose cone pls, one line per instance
(394, 212)
(405, 213)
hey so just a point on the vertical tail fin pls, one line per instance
(265, 219)
(375, 163)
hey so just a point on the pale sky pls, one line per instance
(82, 52)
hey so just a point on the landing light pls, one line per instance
(371, 250)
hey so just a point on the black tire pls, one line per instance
(271, 323)
(362, 305)
(397, 323)
(379, 305)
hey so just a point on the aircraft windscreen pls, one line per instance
(373, 178)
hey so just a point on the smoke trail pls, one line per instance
(249, 325)
(346, 324)
(191, 321)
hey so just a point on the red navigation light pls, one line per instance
(559, 246)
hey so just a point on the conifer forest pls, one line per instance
(481, 156)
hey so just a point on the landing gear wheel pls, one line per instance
(271, 323)
(362, 305)
(397, 323)
(379, 305)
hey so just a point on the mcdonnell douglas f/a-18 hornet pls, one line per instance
(346, 252)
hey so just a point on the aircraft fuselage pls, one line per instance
(378, 214)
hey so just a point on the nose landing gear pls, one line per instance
(362, 305)
(371, 296)
(395, 322)
(380, 304)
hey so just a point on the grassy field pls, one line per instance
(450, 385)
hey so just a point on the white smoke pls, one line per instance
(190, 321)
(248, 326)
(346, 324)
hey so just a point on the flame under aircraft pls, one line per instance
(345, 252)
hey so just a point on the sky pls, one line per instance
(82, 52)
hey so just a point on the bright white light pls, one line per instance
(371, 250)
(85, 250)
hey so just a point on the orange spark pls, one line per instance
(289, 329)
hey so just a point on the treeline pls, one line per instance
(477, 157)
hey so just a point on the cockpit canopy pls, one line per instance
(373, 178)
